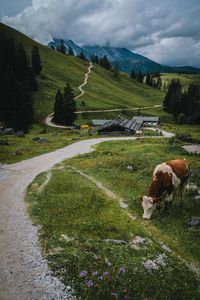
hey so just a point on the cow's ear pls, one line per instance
(140, 198)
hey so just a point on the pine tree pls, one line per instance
(132, 75)
(36, 61)
(140, 77)
(96, 59)
(159, 83)
(172, 95)
(148, 79)
(82, 56)
(58, 108)
(70, 52)
(61, 48)
(116, 70)
(104, 63)
(17, 84)
(69, 106)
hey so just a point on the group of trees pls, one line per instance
(154, 80)
(181, 104)
(18, 82)
(65, 107)
(137, 76)
(151, 79)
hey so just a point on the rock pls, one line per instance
(138, 242)
(20, 133)
(194, 222)
(4, 143)
(129, 168)
(150, 265)
(17, 152)
(66, 238)
(40, 140)
(115, 241)
(159, 261)
(165, 247)
(8, 131)
(36, 138)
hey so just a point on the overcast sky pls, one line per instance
(167, 31)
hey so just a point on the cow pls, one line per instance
(168, 179)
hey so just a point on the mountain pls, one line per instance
(103, 91)
(127, 60)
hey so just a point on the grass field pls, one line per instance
(76, 218)
(185, 79)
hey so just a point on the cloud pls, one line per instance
(166, 31)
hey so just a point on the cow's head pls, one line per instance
(149, 205)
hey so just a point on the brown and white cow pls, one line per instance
(168, 179)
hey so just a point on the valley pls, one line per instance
(70, 212)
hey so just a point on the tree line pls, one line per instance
(182, 104)
(18, 82)
(151, 79)
(65, 106)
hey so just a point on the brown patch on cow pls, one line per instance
(180, 168)
(160, 185)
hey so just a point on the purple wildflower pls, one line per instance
(105, 274)
(95, 273)
(122, 270)
(89, 283)
(83, 274)
(113, 294)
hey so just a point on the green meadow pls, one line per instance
(185, 79)
(76, 218)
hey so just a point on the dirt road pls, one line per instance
(24, 273)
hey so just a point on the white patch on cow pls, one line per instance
(148, 206)
(167, 169)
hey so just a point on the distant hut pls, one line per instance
(147, 121)
(119, 126)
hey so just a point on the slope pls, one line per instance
(103, 90)
(57, 70)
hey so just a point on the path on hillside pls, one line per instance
(48, 120)
(24, 273)
(117, 109)
(85, 82)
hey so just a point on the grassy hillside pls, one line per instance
(185, 79)
(76, 218)
(105, 91)
(57, 70)
(102, 92)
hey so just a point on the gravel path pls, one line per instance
(48, 120)
(24, 273)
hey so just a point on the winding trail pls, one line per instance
(24, 273)
(48, 120)
(85, 82)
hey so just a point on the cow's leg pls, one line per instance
(182, 194)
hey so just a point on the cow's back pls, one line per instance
(180, 169)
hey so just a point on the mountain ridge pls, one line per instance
(127, 60)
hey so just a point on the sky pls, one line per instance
(167, 31)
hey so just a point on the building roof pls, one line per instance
(99, 122)
(125, 124)
(146, 119)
